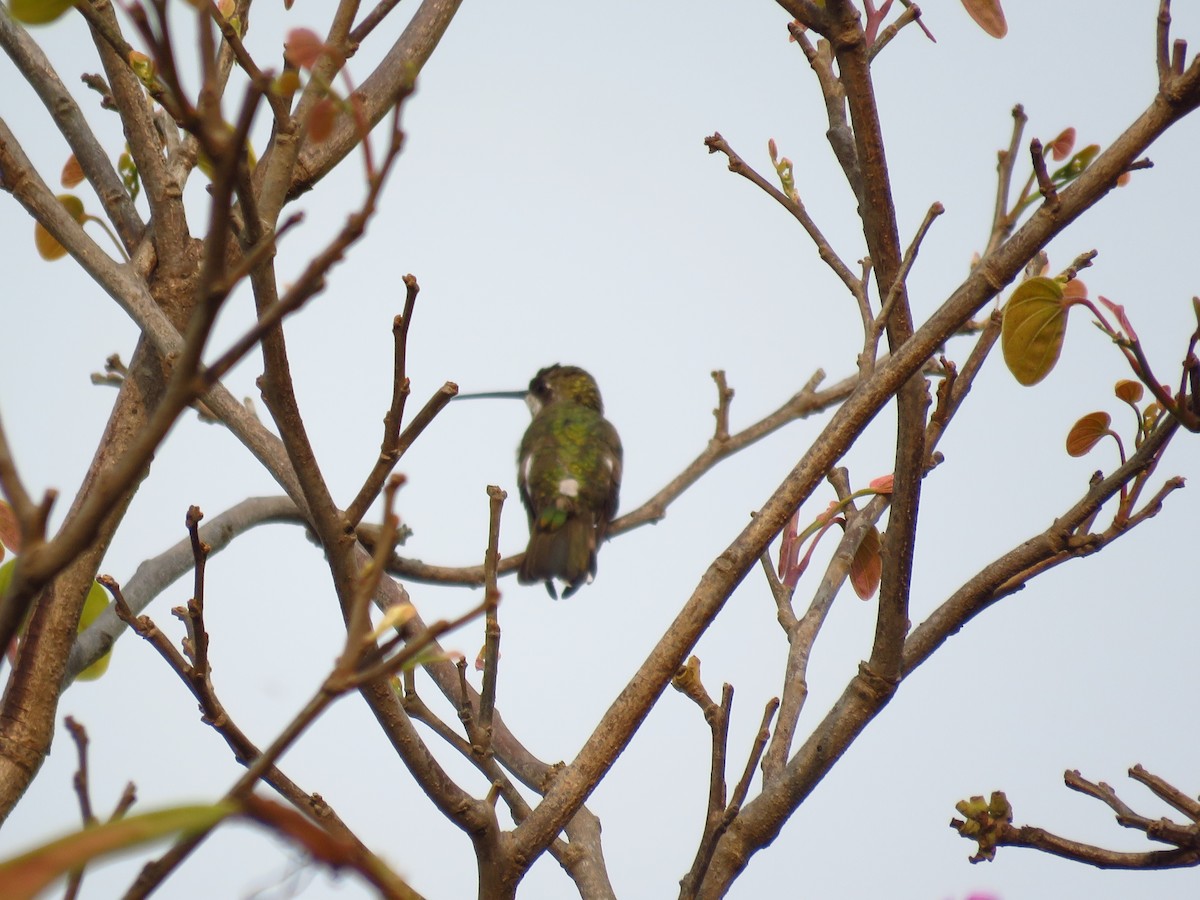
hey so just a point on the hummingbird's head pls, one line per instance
(570, 383)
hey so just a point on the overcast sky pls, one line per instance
(557, 204)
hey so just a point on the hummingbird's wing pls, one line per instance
(524, 470)
(569, 475)
(613, 461)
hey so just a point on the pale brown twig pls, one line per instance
(877, 326)
(390, 448)
(1044, 181)
(1186, 838)
(718, 144)
(491, 593)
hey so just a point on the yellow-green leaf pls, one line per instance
(1151, 415)
(286, 83)
(1035, 321)
(6, 574)
(96, 603)
(1087, 432)
(144, 68)
(47, 244)
(1076, 164)
(129, 174)
(24, 876)
(38, 12)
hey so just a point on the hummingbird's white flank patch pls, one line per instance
(569, 487)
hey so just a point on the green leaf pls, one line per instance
(6, 573)
(129, 174)
(24, 876)
(1087, 432)
(1076, 165)
(1035, 322)
(38, 12)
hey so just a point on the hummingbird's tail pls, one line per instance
(567, 552)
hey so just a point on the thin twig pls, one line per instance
(871, 347)
(371, 20)
(717, 144)
(1002, 220)
(491, 593)
(742, 789)
(390, 448)
(1045, 182)
(358, 621)
(912, 13)
(721, 413)
(80, 781)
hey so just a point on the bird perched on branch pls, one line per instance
(569, 474)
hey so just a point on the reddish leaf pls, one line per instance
(1119, 311)
(883, 484)
(320, 123)
(1035, 321)
(332, 850)
(26, 875)
(789, 546)
(1087, 432)
(10, 534)
(1060, 148)
(72, 172)
(303, 48)
(1129, 391)
(1075, 290)
(866, 568)
(987, 15)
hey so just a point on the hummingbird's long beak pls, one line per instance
(493, 395)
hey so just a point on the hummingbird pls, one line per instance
(569, 475)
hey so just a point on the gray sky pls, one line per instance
(557, 204)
